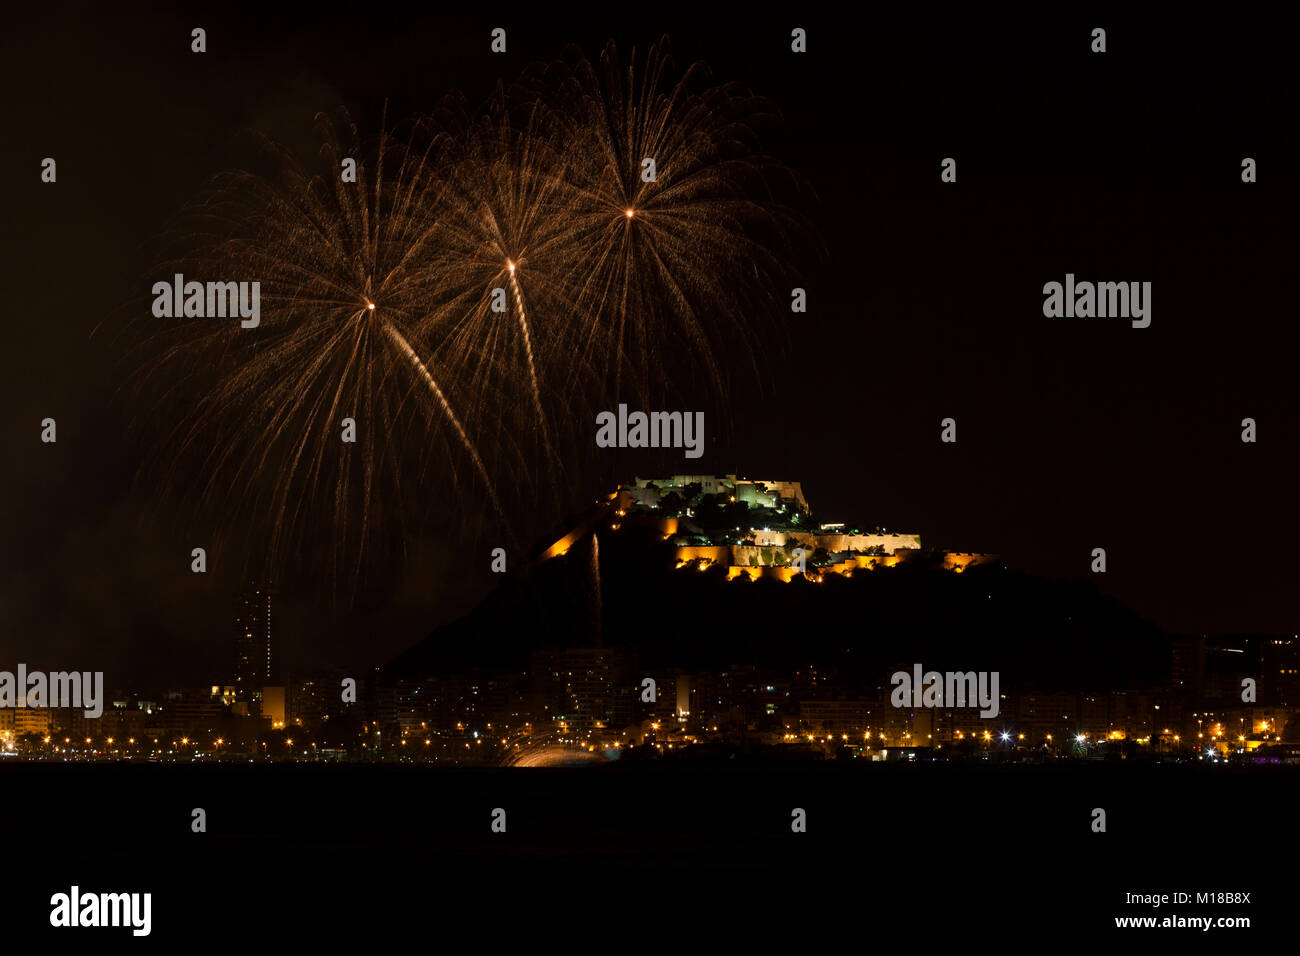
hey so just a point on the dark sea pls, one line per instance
(331, 852)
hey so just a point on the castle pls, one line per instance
(763, 529)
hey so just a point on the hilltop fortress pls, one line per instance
(764, 529)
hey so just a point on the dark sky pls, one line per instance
(1072, 434)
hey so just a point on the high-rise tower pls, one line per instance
(253, 664)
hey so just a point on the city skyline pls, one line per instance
(581, 692)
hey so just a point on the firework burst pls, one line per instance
(676, 213)
(346, 291)
(501, 254)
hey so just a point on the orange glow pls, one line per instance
(961, 560)
(712, 554)
(562, 546)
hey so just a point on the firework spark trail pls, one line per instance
(532, 367)
(404, 347)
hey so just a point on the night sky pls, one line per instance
(1072, 433)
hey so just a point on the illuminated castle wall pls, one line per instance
(751, 559)
(834, 541)
(757, 494)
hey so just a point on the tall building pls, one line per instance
(253, 663)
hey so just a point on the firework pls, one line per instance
(500, 250)
(346, 288)
(676, 214)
